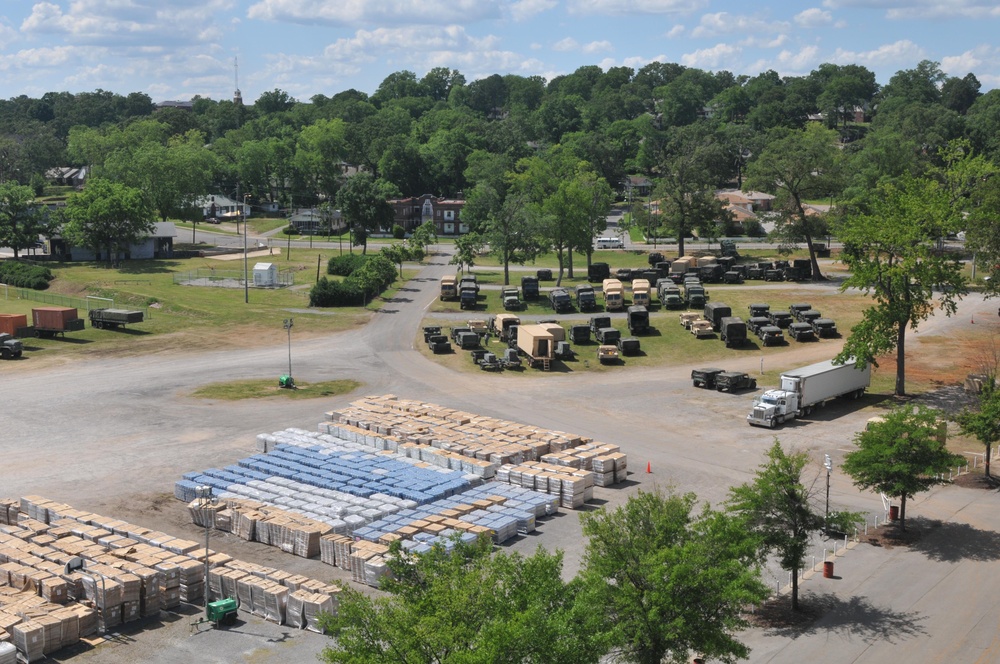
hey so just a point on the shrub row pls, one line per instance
(24, 275)
(373, 276)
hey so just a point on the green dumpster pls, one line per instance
(222, 609)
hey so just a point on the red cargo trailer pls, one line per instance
(50, 321)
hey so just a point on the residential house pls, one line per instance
(67, 176)
(444, 212)
(221, 207)
(316, 222)
(637, 185)
(159, 244)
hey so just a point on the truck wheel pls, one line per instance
(771, 424)
(5, 353)
(99, 325)
(753, 384)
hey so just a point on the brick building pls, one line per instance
(444, 212)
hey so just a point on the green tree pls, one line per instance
(797, 166)
(398, 254)
(319, 153)
(901, 456)
(364, 202)
(107, 216)
(463, 606)
(22, 220)
(983, 421)
(890, 248)
(662, 580)
(689, 165)
(778, 509)
(467, 248)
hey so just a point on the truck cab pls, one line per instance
(449, 288)
(638, 319)
(560, 300)
(586, 300)
(529, 287)
(467, 298)
(773, 408)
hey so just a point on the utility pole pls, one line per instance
(828, 464)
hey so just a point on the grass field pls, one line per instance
(262, 388)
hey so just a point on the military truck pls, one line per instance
(809, 316)
(113, 318)
(655, 257)
(607, 353)
(825, 327)
(702, 329)
(732, 277)
(545, 274)
(607, 335)
(560, 300)
(529, 287)
(614, 299)
(711, 273)
(597, 322)
(598, 272)
(801, 332)
(770, 335)
(479, 326)
(430, 331)
(468, 281)
(623, 274)
(449, 288)
(687, 318)
(759, 309)
(730, 381)
(10, 348)
(628, 346)
(728, 248)
(586, 299)
(537, 344)
(640, 292)
(680, 267)
(670, 296)
(781, 319)
(705, 378)
(796, 308)
(468, 340)
(467, 298)
(733, 331)
(438, 343)
(757, 322)
(501, 323)
(580, 334)
(715, 312)
(509, 296)
(638, 319)
(695, 296)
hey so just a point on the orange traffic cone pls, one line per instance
(649, 467)
(973, 319)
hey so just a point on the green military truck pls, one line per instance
(113, 318)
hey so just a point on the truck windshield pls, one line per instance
(771, 401)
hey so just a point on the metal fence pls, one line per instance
(226, 278)
(58, 300)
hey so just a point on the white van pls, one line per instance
(610, 243)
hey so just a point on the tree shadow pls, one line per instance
(148, 267)
(955, 542)
(855, 615)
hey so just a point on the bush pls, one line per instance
(398, 232)
(24, 275)
(327, 293)
(290, 230)
(345, 266)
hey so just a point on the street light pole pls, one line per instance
(288, 327)
(828, 464)
(246, 282)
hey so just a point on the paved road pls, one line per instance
(106, 432)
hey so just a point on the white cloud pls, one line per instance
(377, 12)
(675, 31)
(711, 58)
(525, 9)
(120, 25)
(902, 52)
(722, 23)
(627, 7)
(567, 44)
(602, 46)
(764, 41)
(813, 18)
(971, 60)
(798, 62)
(920, 9)
(39, 58)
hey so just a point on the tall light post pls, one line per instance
(288, 328)
(204, 493)
(828, 464)
(246, 282)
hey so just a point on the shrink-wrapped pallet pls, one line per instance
(275, 602)
(8, 653)
(29, 640)
(295, 609)
(314, 606)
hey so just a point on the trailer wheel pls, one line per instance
(98, 324)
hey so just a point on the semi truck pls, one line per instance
(810, 387)
(113, 318)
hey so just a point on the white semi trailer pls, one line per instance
(810, 387)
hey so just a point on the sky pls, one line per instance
(175, 49)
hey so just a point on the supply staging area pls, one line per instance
(113, 436)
